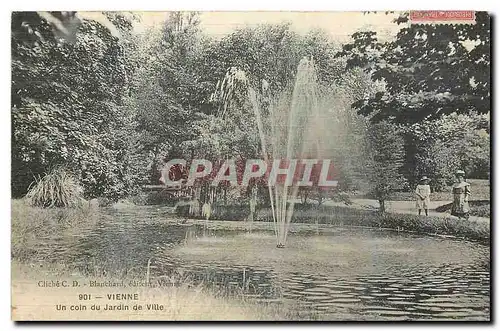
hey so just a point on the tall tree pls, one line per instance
(166, 89)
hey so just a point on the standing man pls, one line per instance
(423, 195)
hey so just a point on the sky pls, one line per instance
(339, 24)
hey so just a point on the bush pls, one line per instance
(473, 230)
(56, 189)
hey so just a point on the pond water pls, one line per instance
(331, 274)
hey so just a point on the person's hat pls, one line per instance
(460, 172)
(424, 178)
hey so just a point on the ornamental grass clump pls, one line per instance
(58, 188)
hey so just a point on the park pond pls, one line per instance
(326, 273)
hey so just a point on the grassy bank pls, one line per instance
(182, 301)
(31, 225)
(347, 216)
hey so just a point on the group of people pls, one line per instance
(460, 190)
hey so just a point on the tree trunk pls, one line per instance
(382, 205)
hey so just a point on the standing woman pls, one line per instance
(461, 193)
(423, 193)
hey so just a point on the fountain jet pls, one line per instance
(293, 132)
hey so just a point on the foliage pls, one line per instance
(271, 52)
(112, 104)
(232, 131)
(67, 105)
(65, 25)
(428, 70)
(438, 148)
(166, 90)
(322, 195)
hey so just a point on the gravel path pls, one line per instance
(402, 207)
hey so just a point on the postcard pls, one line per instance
(251, 166)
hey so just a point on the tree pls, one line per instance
(67, 105)
(271, 53)
(428, 70)
(166, 90)
(386, 155)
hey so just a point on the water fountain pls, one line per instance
(292, 129)
(294, 133)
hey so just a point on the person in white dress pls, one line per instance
(423, 195)
(461, 193)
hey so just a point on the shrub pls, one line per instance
(58, 188)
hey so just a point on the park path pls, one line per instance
(402, 207)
